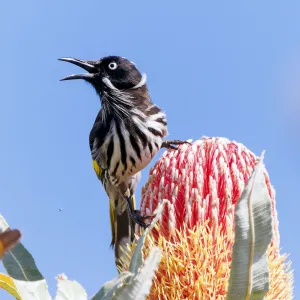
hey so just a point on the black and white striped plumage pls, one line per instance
(129, 128)
(127, 133)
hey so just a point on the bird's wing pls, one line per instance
(112, 209)
(97, 169)
(117, 221)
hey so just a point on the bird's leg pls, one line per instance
(171, 144)
(135, 214)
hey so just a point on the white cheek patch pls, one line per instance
(141, 83)
(108, 83)
(111, 86)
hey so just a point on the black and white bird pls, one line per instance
(127, 133)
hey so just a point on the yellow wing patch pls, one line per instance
(133, 201)
(97, 168)
(112, 223)
(113, 219)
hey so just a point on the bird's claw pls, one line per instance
(139, 219)
(171, 144)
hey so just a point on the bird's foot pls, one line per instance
(139, 219)
(172, 144)
(136, 214)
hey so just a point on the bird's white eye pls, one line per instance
(113, 65)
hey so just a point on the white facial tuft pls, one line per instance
(141, 83)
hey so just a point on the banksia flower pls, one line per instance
(201, 184)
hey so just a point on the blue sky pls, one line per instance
(228, 69)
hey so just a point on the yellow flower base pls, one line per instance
(196, 263)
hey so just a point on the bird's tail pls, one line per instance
(122, 228)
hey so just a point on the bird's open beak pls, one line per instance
(86, 65)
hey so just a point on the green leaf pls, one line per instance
(249, 276)
(110, 287)
(137, 278)
(18, 262)
(137, 257)
(140, 286)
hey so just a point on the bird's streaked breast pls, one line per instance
(130, 144)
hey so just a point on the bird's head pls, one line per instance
(108, 73)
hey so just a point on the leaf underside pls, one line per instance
(249, 276)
